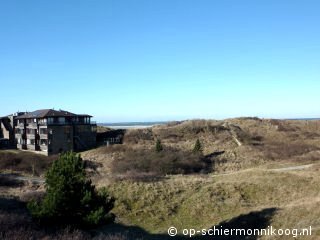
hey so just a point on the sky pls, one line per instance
(159, 60)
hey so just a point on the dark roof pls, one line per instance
(84, 115)
(47, 113)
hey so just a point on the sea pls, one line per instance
(128, 125)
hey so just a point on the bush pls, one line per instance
(70, 197)
(25, 162)
(197, 147)
(168, 161)
(159, 147)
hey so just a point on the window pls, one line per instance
(43, 142)
(43, 120)
(81, 120)
(50, 120)
(61, 119)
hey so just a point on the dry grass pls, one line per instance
(24, 162)
(202, 201)
(168, 161)
(264, 142)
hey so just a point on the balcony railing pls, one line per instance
(32, 136)
(43, 136)
(20, 135)
(33, 147)
(21, 146)
(44, 147)
(32, 125)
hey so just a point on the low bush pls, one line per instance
(133, 136)
(168, 161)
(288, 150)
(25, 162)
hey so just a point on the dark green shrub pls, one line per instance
(159, 146)
(70, 197)
(197, 147)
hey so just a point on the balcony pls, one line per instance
(68, 123)
(32, 125)
(19, 135)
(33, 147)
(43, 147)
(20, 125)
(43, 136)
(21, 146)
(31, 136)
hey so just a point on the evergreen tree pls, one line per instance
(159, 147)
(70, 196)
(197, 147)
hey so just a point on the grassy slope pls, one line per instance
(202, 202)
(263, 142)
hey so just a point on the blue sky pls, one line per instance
(161, 60)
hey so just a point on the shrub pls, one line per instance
(168, 161)
(25, 162)
(197, 147)
(70, 197)
(159, 147)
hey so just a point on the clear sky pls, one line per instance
(161, 59)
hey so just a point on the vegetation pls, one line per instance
(168, 161)
(204, 201)
(159, 146)
(17, 224)
(70, 197)
(197, 147)
(24, 162)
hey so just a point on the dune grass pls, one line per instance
(204, 201)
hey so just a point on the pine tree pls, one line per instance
(70, 196)
(159, 147)
(197, 147)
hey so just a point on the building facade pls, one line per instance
(51, 131)
(7, 125)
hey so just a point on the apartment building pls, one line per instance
(51, 131)
(7, 124)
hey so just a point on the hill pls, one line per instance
(264, 172)
(231, 144)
